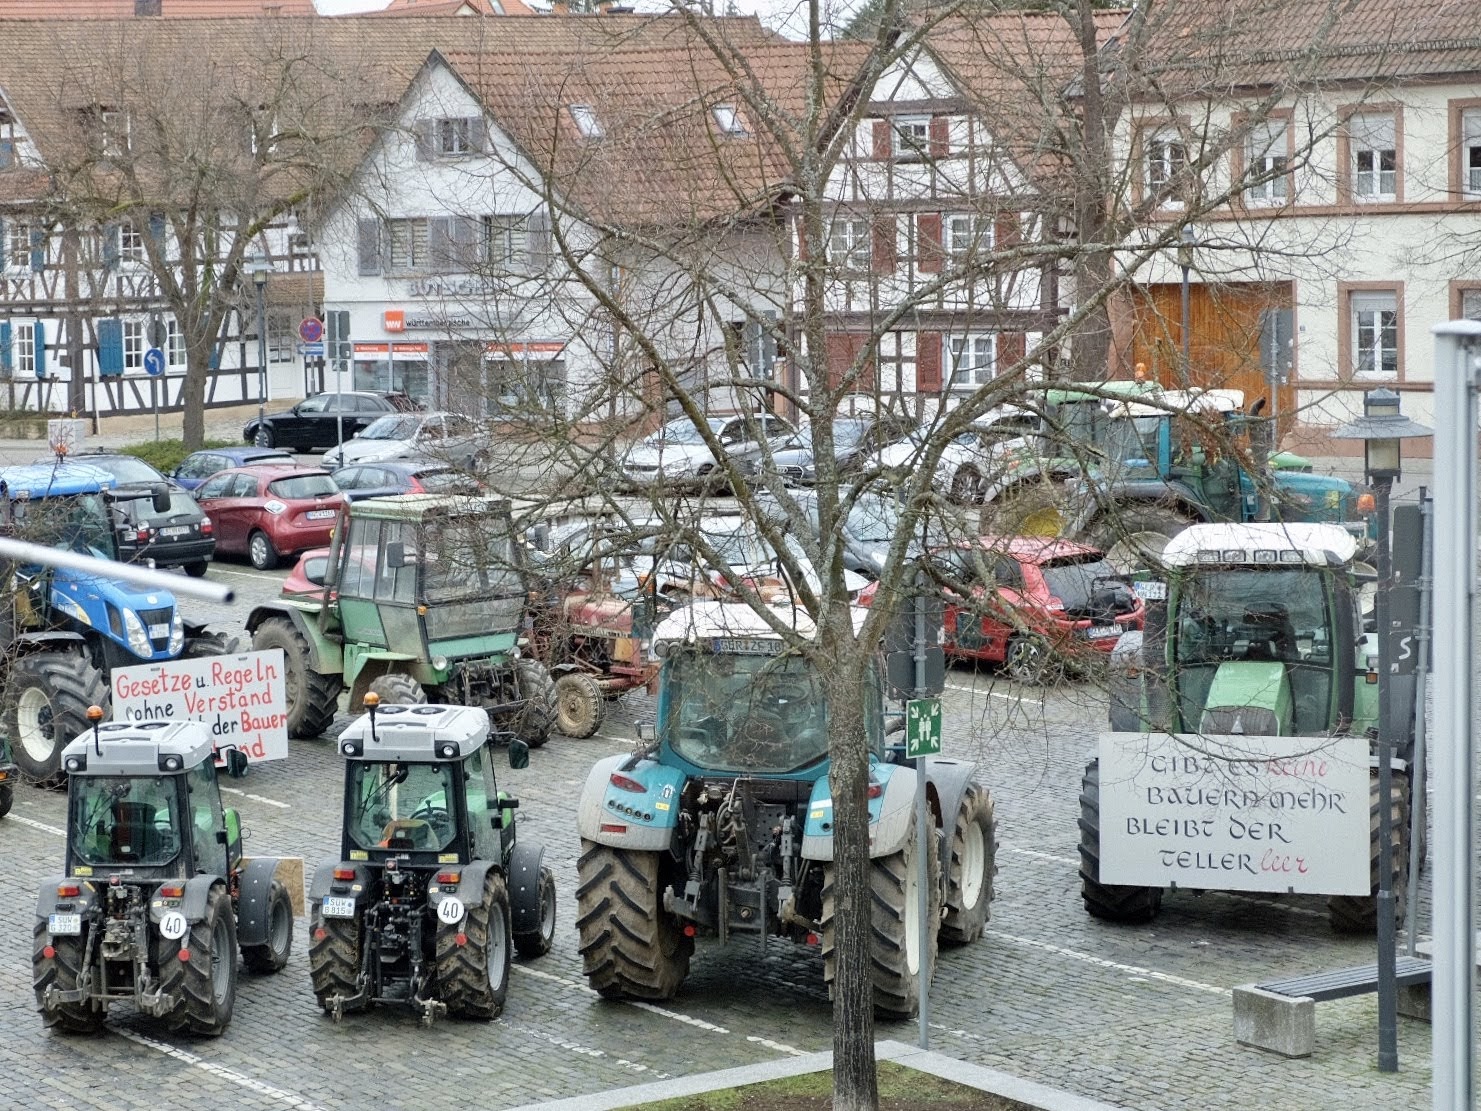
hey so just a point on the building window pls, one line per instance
(7, 141)
(18, 246)
(1375, 333)
(131, 242)
(503, 246)
(113, 132)
(1470, 304)
(969, 360)
(911, 136)
(455, 135)
(406, 240)
(586, 121)
(1167, 165)
(966, 234)
(282, 337)
(1375, 156)
(299, 247)
(1267, 163)
(728, 120)
(849, 244)
(25, 348)
(133, 345)
(174, 343)
(1470, 152)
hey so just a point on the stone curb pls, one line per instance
(909, 1056)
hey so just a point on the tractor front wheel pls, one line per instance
(1354, 914)
(538, 715)
(210, 644)
(45, 708)
(537, 942)
(1111, 902)
(272, 955)
(579, 706)
(398, 689)
(334, 960)
(204, 982)
(974, 864)
(312, 698)
(1133, 536)
(60, 970)
(473, 955)
(7, 798)
(631, 948)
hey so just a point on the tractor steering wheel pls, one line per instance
(436, 815)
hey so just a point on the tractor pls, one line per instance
(721, 822)
(1257, 631)
(156, 898)
(66, 630)
(424, 598)
(432, 886)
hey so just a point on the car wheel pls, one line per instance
(261, 552)
(264, 437)
(197, 570)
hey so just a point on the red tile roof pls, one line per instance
(168, 9)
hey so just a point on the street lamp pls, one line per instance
(259, 267)
(1187, 240)
(1381, 427)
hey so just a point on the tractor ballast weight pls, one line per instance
(722, 824)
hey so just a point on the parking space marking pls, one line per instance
(256, 798)
(780, 1047)
(687, 1020)
(248, 575)
(241, 1080)
(1132, 970)
(992, 694)
(34, 824)
(585, 1050)
(1040, 856)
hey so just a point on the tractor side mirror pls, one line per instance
(647, 732)
(519, 754)
(159, 495)
(399, 555)
(236, 763)
(894, 723)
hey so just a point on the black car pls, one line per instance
(315, 421)
(403, 476)
(181, 536)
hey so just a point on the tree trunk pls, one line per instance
(193, 391)
(1095, 190)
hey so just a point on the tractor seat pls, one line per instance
(408, 833)
(134, 835)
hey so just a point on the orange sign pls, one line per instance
(395, 320)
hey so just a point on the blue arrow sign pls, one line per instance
(154, 361)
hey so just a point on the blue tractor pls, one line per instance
(66, 630)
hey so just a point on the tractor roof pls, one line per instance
(709, 620)
(1260, 544)
(52, 480)
(416, 734)
(139, 748)
(413, 507)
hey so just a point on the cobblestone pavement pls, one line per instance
(1138, 1016)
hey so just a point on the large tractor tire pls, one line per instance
(45, 709)
(334, 960)
(396, 688)
(1107, 901)
(205, 986)
(1354, 914)
(1133, 536)
(473, 955)
(631, 948)
(272, 955)
(61, 969)
(898, 953)
(1029, 509)
(537, 717)
(312, 699)
(973, 867)
(579, 705)
(7, 798)
(538, 942)
(210, 644)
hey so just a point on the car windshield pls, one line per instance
(124, 469)
(447, 482)
(132, 821)
(469, 557)
(681, 431)
(737, 543)
(737, 712)
(302, 486)
(1078, 580)
(847, 433)
(402, 806)
(392, 426)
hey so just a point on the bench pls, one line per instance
(1280, 1015)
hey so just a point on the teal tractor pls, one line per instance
(66, 630)
(721, 825)
(1260, 633)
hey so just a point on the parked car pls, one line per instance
(181, 536)
(379, 480)
(198, 466)
(447, 438)
(308, 574)
(974, 457)
(315, 421)
(856, 441)
(269, 511)
(870, 527)
(677, 452)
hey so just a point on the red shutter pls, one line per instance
(801, 241)
(928, 362)
(883, 247)
(1011, 347)
(1008, 231)
(842, 349)
(940, 136)
(882, 139)
(928, 243)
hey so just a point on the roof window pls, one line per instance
(586, 121)
(729, 120)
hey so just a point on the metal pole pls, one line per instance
(1457, 345)
(261, 280)
(145, 578)
(1421, 683)
(922, 828)
(1388, 1022)
(1187, 321)
(154, 396)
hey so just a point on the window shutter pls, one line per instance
(110, 347)
(465, 231)
(424, 134)
(40, 350)
(940, 136)
(478, 134)
(5, 363)
(928, 243)
(368, 245)
(883, 246)
(537, 241)
(841, 349)
(1010, 349)
(1007, 231)
(928, 362)
(801, 242)
(110, 246)
(882, 139)
(440, 244)
(38, 250)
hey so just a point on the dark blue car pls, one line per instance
(404, 476)
(201, 465)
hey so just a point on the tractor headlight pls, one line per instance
(138, 635)
(177, 634)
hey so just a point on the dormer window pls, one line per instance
(912, 136)
(455, 135)
(8, 160)
(113, 132)
(586, 121)
(729, 121)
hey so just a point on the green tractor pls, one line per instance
(424, 599)
(1259, 634)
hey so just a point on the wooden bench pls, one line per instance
(1280, 1015)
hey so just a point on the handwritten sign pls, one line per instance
(240, 697)
(1235, 813)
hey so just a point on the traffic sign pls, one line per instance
(922, 727)
(154, 361)
(311, 330)
(311, 350)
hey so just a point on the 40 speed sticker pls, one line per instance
(173, 925)
(450, 910)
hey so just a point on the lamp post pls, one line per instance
(259, 268)
(1187, 240)
(1381, 427)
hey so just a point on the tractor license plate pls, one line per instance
(338, 908)
(1100, 632)
(158, 632)
(175, 530)
(319, 514)
(1150, 591)
(64, 925)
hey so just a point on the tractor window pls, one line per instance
(396, 584)
(469, 557)
(127, 821)
(79, 523)
(206, 818)
(1129, 445)
(358, 577)
(402, 806)
(480, 815)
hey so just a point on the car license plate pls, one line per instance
(338, 908)
(64, 925)
(319, 514)
(157, 632)
(1150, 591)
(1100, 632)
(175, 530)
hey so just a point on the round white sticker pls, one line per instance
(173, 925)
(450, 910)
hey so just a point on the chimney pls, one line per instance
(147, 7)
(560, 7)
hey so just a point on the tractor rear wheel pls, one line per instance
(1111, 902)
(334, 959)
(631, 948)
(538, 715)
(45, 708)
(7, 798)
(205, 985)
(61, 970)
(899, 954)
(396, 688)
(473, 955)
(1028, 509)
(1133, 536)
(312, 698)
(579, 706)
(1354, 914)
(210, 644)
(974, 864)
(272, 955)
(537, 942)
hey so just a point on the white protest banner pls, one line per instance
(240, 697)
(1235, 813)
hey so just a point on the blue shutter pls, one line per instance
(110, 250)
(214, 362)
(40, 350)
(5, 363)
(110, 348)
(38, 250)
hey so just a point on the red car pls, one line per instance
(271, 511)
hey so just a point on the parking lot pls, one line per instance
(1139, 1016)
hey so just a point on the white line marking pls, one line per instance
(574, 985)
(257, 798)
(1132, 970)
(241, 1080)
(38, 825)
(584, 1050)
(780, 1047)
(991, 694)
(247, 575)
(687, 1020)
(1040, 856)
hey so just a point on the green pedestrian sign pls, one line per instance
(922, 727)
